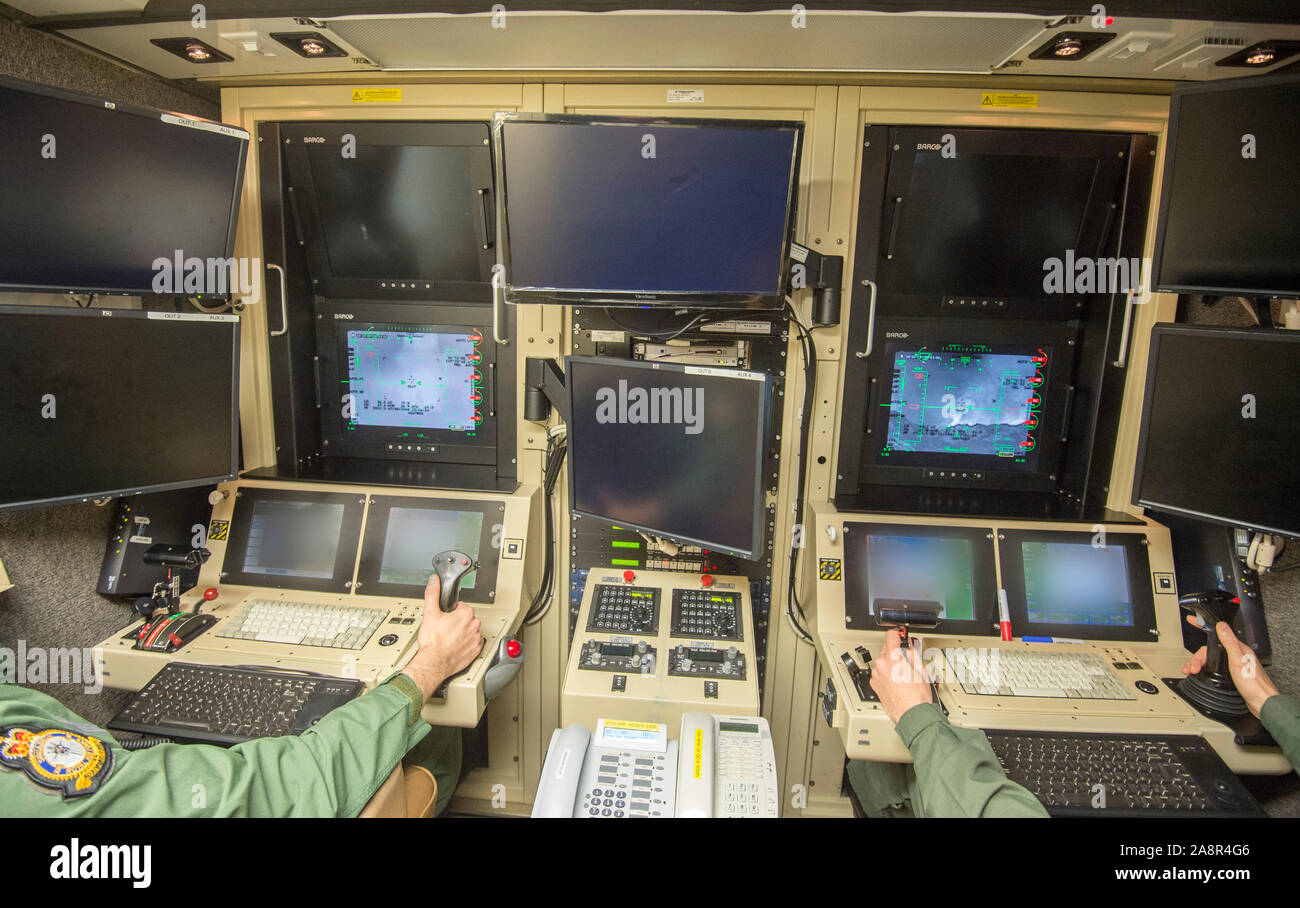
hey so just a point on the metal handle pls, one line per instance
(1121, 361)
(871, 320)
(284, 303)
(498, 297)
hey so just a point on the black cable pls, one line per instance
(658, 335)
(554, 460)
(144, 742)
(805, 430)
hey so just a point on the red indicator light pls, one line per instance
(513, 649)
(210, 593)
(629, 576)
(706, 580)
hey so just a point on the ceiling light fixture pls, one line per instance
(192, 50)
(312, 45)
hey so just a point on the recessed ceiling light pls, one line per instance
(1262, 54)
(312, 45)
(1071, 45)
(192, 50)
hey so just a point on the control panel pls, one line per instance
(617, 608)
(626, 661)
(707, 613)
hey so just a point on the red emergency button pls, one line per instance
(210, 593)
(629, 576)
(513, 649)
(176, 641)
(706, 580)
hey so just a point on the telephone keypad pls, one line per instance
(706, 615)
(630, 784)
(624, 609)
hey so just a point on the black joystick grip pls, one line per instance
(1211, 688)
(451, 567)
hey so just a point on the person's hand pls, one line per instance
(1248, 675)
(448, 641)
(899, 678)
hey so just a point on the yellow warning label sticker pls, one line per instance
(1015, 100)
(631, 726)
(374, 95)
(697, 768)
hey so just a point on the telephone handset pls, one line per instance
(726, 767)
(626, 769)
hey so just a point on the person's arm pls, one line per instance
(1279, 713)
(957, 773)
(331, 769)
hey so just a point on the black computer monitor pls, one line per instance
(394, 209)
(972, 217)
(1231, 189)
(677, 451)
(1093, 586)
(945, 407)
(403, 533)
(294, 539)
(634, 211)
(397, 387)
(947, 567)
(1221, 425)
(103, 197)
(104, 402)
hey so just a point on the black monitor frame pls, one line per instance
(338, 317)
(1167, 182)
(957, 470)
(298, 137)
(1141, 585)
(1109, 150)
(673, 299)
(1158, 332)
(152, 114)
(229, 407)
(760, 442)
(984, 584)
(345, 557)
(376, 534)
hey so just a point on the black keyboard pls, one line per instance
(215, 704)
(1138, 775)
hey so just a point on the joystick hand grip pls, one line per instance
(1211, 608)
(451, 567)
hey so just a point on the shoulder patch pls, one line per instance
(73, 764)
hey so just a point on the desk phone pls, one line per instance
(719, 766)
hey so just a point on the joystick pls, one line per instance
(1211, 688)
(905, 613)
(451, 567)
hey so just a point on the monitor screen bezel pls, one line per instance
(1167, 181)
(567, 296)
(370, 565)
(345, 556)
(1158, 332)
(984, 585)
(302, 196)
(1141, 585)
(150, 114)
(753, 551)
(233, 404)
(338, 317)
(1054, 338)
(1108, 149)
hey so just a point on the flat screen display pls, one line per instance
(94, 195)
(103, 402)
(407, 377)
(635, 212)
(415, 535)
(925, 569)
(1069, 583)
(288, 538)
(676, 451)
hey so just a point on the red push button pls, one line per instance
(629, 576)
(706, 580)
(513, 649)
(210, 593)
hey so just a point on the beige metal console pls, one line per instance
(389, 647)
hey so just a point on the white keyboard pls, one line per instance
(304, 623)
(1032, 673)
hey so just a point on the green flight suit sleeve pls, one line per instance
(1281, 716)
(331, 769)
(957, 773)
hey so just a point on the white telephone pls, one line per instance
(721, 766)
(726, 767)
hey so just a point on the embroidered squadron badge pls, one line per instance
(72, 763)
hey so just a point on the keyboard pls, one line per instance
(222, 705)
(304, 623)
(1034, 673)
(1076, 774)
